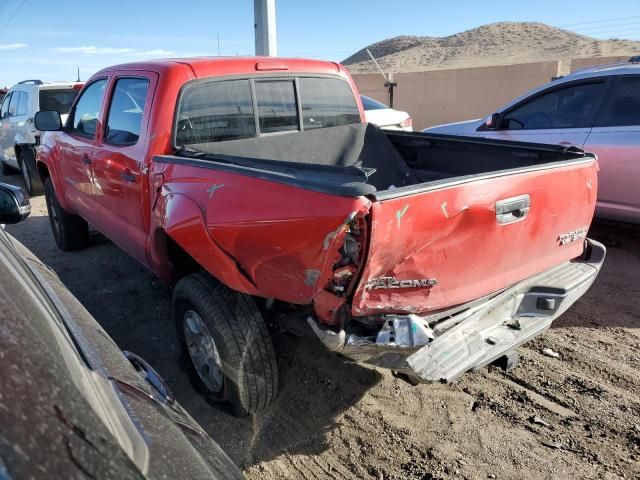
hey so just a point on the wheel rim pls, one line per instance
(203, 351)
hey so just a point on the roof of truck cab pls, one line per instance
(219, 66)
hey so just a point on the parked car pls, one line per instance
(74, 405)
(245, 178)
(596, 109)
(18, 135)
(381, 115)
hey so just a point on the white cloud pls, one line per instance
(91, 50)
(158, 52)
(12, 46)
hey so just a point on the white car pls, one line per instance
(18, 135)
(379, 114)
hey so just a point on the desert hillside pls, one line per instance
(501, 43)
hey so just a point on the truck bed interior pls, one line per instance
(388, 160)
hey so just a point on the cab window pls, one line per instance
(23, 104)
(13, 105)
(570, 107)
(83, 119)
(126, 110)
(624, 107)
(4, 110)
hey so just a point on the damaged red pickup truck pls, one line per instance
(249, 180)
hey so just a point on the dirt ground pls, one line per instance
(576, 416)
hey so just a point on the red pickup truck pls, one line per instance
(248, 180)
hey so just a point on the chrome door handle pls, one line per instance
(512, 209)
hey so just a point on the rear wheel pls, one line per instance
(27, 162)
(227, 340)
(71, 232)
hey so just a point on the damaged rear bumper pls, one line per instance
(479, 335)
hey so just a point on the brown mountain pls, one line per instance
(500, 43)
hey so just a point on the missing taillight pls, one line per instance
(347, 267)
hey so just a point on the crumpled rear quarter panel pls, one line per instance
(284, 238)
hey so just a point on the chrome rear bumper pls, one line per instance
(485, 332)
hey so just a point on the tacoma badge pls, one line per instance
(393, 282)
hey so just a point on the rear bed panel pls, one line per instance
(437, 249)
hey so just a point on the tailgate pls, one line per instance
(450, 244)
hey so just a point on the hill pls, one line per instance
(502, 43)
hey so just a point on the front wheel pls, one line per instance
(27, 162)
(227, 340)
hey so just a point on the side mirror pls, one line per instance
(48, 121)
(492, 121)
(14, 204)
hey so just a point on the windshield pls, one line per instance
(369, 103)
(57, 99)
(216, 111)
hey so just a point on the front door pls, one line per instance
(118, 164)
(77, 148)
(6, 139)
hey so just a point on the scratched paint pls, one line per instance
(311, 276)
(400, 213)
(213, 188)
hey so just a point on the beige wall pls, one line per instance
(580, 63)
(372, 85)
(441, 96)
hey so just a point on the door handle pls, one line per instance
(86, 160)
(128, 176)
(512, 209)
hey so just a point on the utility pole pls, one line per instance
(264, 13)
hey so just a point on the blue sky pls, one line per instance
(47, 39)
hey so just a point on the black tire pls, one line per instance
(30, 176)
(71, 232)
(241, 338)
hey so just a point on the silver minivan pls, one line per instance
(596, 109)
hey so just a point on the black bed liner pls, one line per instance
(361, 159)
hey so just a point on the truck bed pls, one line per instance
(376, 223)
(387, 161)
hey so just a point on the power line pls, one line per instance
(599, 21)
(606, 27)
(12, 16)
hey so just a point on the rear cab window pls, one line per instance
(222, 110)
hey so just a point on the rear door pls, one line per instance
(118, 162)
(562, 114)
(443, 246)
(615, 138)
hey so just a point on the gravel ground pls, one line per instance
(576, 416)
